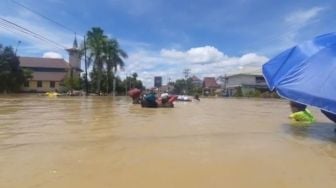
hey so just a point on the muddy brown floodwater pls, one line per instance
(103, 142)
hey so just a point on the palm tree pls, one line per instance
(114, 57)
(96, 40)
(105, 54)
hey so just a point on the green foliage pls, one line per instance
(185, 86)
(12, 76)
(269, 95)
(72, 83)
(106, 56)
(132, 82)
(255, 93)
(180, 86)
(239, 92)
(121, 85)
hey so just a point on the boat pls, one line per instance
(183, 98)
(160, 103)
(52, 94)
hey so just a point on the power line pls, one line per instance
(11, 25)
(43, 16)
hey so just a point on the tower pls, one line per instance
(74, 59)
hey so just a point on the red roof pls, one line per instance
(210, 82)
(31, 62)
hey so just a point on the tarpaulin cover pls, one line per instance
(306, 73)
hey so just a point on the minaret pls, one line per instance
(74, 58)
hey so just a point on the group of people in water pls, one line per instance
(153, 99)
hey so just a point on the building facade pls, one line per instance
(210, 86)
(48, 74)
(244, 84)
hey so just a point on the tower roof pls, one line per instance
(75, 44)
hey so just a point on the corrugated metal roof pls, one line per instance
(43, 62)
(257, 72)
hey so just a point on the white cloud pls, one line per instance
(302, 17)
(298, 20)
(293, 25)
(206, 54)
(203, 61)
(252, 58)
(52, 55)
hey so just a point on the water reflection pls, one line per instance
(321, 131)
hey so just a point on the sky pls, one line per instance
(162, 38)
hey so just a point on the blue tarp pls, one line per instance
(306, 73)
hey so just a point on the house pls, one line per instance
(244, 84)
(209, 86)
(48, 74)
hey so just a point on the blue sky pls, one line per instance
(210, 37)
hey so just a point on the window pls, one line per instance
(39, 83)
(26, 84)
(52, 84)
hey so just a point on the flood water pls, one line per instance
(103, 142)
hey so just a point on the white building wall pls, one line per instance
(240, 79)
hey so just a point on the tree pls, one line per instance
(72, 83)
(106, 56)
(185, 86)
(132, 82)
(179, 86)
(12, 76)
(96, 40)
(114, 56)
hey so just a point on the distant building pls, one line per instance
(210, 86)
(49, 73)
(196, 81)
(157, 81)
(244, 83)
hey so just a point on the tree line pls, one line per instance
(186, 87)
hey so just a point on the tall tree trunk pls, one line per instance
(99, 76)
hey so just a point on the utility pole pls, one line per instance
(126, 85)
(17, 46)
(86, 74)
(186, 73)
(114, 84)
